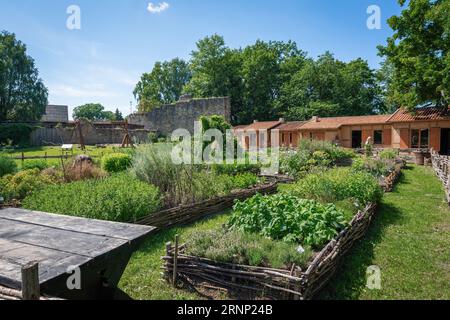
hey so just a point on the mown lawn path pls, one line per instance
(409, 240)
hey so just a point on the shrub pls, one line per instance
(250, 249)
(116, 162)
(339, 184)
(118, 198)
(234, 169)
(376, 167)
(16, 134)
(152, 137)
(24, 183)
(81, 171)
(7, 166)
(35, 164)
(288, 218)
(312, 155)
(183, 183)
(388, 154)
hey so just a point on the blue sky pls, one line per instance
(121, 39)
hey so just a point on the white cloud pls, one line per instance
(158, 8)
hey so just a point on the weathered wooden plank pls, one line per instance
(52, 263)
(82, 225)
(72, 242)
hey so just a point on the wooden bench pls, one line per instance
(100, 249)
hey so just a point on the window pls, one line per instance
(283, 139)
(378, 137)
(420, 138)
(424, 140)
(415, 138)
(290, 138)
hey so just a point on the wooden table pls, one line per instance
(100, 249)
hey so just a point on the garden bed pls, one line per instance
(389, 181)
(268, 283)
(186, 214)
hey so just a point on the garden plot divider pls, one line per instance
(390, 181)
(186, 214)
(267, 283)
(441, 167)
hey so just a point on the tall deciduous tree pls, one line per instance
(329, 87)
(23, 96)
(163, 85)
(216, 72)
(419, 53)
(92, 112)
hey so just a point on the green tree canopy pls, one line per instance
(23, 96)
(328, 87)
(216, 72)
(118, 115)
(163, 85)
(419, 53)
(93, 112)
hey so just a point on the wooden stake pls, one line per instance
(175, 262)
(30, 281)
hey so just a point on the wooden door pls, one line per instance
(404, 139)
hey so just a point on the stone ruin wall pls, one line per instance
(182, 115)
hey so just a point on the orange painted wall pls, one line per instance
(404, 138)
(435, 139)
(387, 138)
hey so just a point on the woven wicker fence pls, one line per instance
(267, 283)
(186, 214)
(390, 181)
(441, 167)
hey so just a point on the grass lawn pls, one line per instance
(409, 240)
(142, 278)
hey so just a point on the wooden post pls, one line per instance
(30, 281)
(175, 262)
(23, 158)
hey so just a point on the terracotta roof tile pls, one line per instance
(267, 125)
(336, 123)
(291, 126)
(421, 114)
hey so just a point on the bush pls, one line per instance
(339, 184)
(118, 198)
(288, 218)
(82, 171)
(152, 137)
(24, 183)
(389, 154)
(35, 164)
(182, 184)
(234, 169)
(311, 156)
(376, 167)
(247, 249)
(16, 134)
(7, 166)
(116, 162)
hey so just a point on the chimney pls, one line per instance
(255, 121)
(282, 120)
(315, 119)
